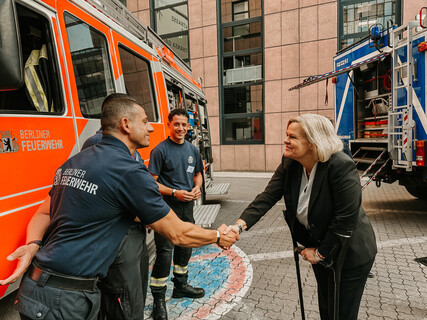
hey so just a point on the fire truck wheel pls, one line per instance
(418, 192)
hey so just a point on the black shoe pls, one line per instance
(159, 309)
(184, 290)
(370, 275)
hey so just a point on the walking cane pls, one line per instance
(335, 277)
(297, 251)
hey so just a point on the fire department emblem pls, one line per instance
(190, 159)
(57, 177)
(8, 142)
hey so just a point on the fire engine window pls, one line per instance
(91, 64)
(40, 92)
(137, 76)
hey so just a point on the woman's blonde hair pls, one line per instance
(320, 133)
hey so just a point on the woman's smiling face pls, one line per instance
(297, 146)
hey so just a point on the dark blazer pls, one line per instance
(334, 208)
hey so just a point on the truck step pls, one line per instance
(367, 160)
(205, 215)
(218, 188)
(380, 149)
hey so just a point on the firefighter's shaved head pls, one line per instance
(115, 107)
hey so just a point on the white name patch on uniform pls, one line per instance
(190, 169)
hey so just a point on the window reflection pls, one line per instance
(91, 64)
(171, 23)
(358, 17)
(247, 99)
(244, 129)
(242, 68)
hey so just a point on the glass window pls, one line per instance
(171, 24)
(247, 99)
(137, 77)
(179, 45)
(234, 10)
(243, 37)
(91, 64)
(240, 10)
(40, 92)
(358, 17)
(243, 129)
(242, 68)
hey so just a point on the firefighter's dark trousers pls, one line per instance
(164, 250)
(125, 287)
(351, 290)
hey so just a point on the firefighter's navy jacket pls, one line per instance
(94, 199)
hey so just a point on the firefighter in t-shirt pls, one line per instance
(177, 167)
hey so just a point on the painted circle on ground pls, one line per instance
(225, 275)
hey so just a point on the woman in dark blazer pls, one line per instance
(323, 198)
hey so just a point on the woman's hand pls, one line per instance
(311, 255)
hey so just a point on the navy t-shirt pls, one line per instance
(175, 164)
(94, 199)
(97, 137)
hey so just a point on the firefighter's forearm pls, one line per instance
(198, 180)
(185, 234)
(39, 222)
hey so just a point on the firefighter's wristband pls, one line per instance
(39, 242)
(218, 236)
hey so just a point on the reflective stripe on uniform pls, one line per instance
(158, 282)
(180, 269)
(32, 80)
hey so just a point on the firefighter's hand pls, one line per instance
(196, 193)
(309, 254)
(25, 255)
(227, 239)
(183, 195)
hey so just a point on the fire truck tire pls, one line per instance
(418, 192)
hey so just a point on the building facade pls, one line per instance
(250, 52)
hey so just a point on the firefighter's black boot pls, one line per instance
(159, 307)
(182, 289)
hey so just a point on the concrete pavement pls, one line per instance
(397, 291)
(256, 279)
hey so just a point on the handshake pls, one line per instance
(229, 235)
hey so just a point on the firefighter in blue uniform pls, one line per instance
(124, 289)
(177, 167)
(75, 234)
